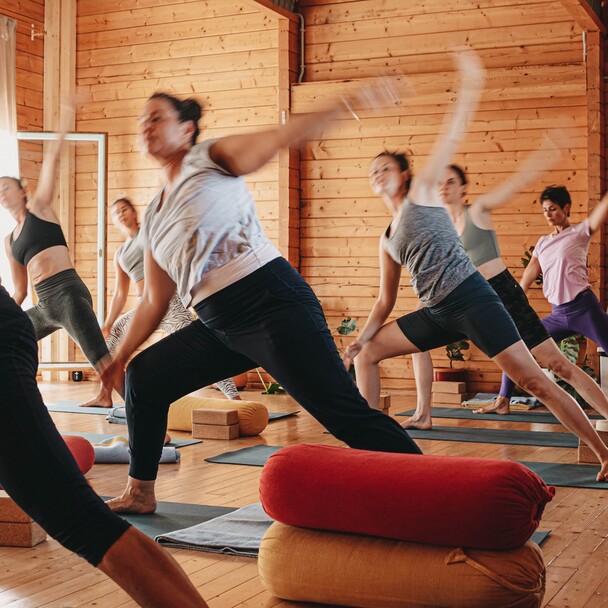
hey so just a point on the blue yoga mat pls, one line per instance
(99, 437)
(507, 437)
(462, 413)
(540, 536)
(568, 475)
(272, 416)
(254, 456)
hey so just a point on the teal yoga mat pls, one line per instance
(568, 475)
(73, 408)
(479, 435)
(462, 413)
(99, 437)
(254, 456)
(540, 536)
(171, 516)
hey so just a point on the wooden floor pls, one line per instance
(47, 575)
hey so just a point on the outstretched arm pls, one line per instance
(471, 84)
(245, 153)
(43, 197)
(534, 165)
(599, 215)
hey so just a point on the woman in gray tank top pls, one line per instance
(129, 267)
(458, 302)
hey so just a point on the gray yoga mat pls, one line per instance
(172, 516)
(568, 475)
(254, 456)
(73, 408)
(99, 437)
(462, 413)
(479, 435)
(237, 533)
(272, 416)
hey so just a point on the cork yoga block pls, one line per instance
(306, 565)
(216, 417)
(253, 417)
(215, 431)
(585, 453)
(17, 528)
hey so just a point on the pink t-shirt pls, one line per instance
(563, 260)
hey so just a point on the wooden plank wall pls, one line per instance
(30, 60)
(223, 53)
(536, 80)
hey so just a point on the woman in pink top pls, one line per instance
(562, 258)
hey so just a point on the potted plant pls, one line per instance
(454, 352)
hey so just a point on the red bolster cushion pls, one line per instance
(437, 500)
(82, 451)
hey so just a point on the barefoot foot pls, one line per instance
(167, 439)
(133, 502)
(420, 422)
(502, 405)
(97, 403)
(603, 474)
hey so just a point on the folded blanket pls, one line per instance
(117, 415)
(115, 450)
(236, 533)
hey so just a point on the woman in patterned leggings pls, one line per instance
(129, 266)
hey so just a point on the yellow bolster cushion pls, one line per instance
(305, 565)
(253, 417)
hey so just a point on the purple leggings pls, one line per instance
(583, 315)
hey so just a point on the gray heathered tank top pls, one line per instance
(131, 258)
(427, 244)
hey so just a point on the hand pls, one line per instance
(379, 93)
(113, 376)
(470, 67)
(105, 332)
(351, 352)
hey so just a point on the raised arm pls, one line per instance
(43, 196)
(121, 291)
(390, 273)
(19, 272)
(471, 84)
(245, 153)
(534, 165)
(599, 215)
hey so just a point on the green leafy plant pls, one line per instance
(454, 350)
(527, 259)
(274, 388)
(570, 347)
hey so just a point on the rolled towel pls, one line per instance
(117, 415)
(115, 450)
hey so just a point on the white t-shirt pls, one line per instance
(206, 234)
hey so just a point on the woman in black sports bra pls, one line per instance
(38, 247)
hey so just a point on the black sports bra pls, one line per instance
(36, 235)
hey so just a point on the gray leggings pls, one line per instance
(64, 301)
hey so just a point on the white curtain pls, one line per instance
(9, 149)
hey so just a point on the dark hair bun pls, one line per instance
(191, 109)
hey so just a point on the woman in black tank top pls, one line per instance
(459, 302)
(37, 247)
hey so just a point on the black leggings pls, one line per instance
(36, 467)
(272, 319)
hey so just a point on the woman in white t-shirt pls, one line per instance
(202, 237)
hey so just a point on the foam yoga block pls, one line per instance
(82, 450)
(348, 570)
(439, 500)
(253, 417)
